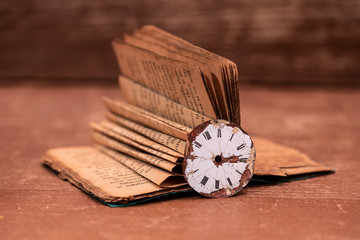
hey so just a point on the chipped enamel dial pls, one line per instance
(219, 159)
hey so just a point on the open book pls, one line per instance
(168, 87)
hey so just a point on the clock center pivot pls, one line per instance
(218, 158)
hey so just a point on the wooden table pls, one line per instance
(36, 204)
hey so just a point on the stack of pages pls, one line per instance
(168, 87)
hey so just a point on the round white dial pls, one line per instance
(219, 159)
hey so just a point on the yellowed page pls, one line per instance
(100, 175)
(146, 118)
(104, 140)
(176, 80)
(176, 42)
(165, 152)
(213, 66)
(163, 48)
(145, 98)
(278, 160)
(120, 138)
(156, 175)
(171, 142)
(223, 72)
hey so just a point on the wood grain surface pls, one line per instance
(36, 204)
(272, 41)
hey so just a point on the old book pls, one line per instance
(168, 87)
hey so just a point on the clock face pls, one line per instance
(219, 159)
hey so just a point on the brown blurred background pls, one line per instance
(273, 42)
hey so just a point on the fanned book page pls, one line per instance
(169, 87)
(104, 176)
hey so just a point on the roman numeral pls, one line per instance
(195, 170)
(241, 146)
(197, 144)
(242, 159)
(219, 133)
(230, 183)
(239, 172)
(204, 180)
(231, 137)
(217, 183)
(207, 135)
